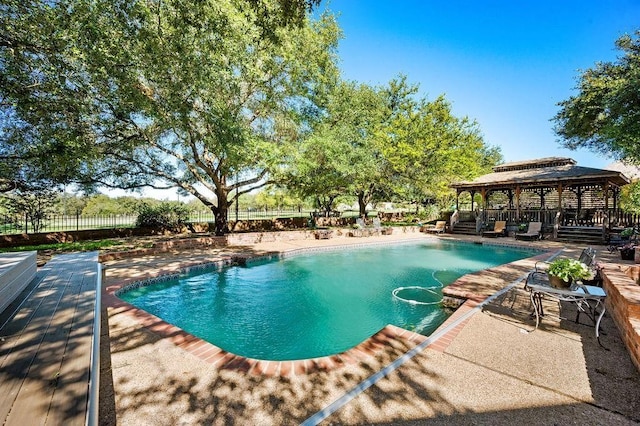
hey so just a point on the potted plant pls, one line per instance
(323, 233)
(627, 251)
(356, 230)
(564, 272)
(626, 233)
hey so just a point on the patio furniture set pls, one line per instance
(588, 299)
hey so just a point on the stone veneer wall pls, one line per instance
(622, 284)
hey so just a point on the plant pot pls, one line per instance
(558, 282)
(627, 254)
(323, 234)
(356, 233)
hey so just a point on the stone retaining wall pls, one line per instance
(237, 239)
(622, 284)
(261, 226)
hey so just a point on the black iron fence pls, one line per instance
(25, 224)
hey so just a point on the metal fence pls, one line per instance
(22, 224)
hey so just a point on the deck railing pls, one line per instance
(618, 218)
(605, 218)
(511, 216)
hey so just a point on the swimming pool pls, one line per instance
(315, 304)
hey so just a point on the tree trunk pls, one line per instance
(220, 215)
(362, 204)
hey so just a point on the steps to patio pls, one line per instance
(47, 345)
(585, 235)
(465, 228)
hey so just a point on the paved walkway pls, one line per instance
(488, 369)
(45, 348)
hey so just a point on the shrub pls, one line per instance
(168, 216)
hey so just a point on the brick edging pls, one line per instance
(225, 360)
(623, 302)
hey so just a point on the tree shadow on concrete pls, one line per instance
(613, 378)
(158, 383)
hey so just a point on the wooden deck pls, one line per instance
(46, 345)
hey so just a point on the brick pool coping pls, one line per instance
(225, 360)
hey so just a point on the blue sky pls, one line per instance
(505, 64)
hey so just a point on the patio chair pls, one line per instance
(587, 256)
(534, 232)
(585, 218)
(499, 229)
(377, 226)
(438, 228)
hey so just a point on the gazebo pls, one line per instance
(554, 191)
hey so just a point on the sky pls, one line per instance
(505, 64)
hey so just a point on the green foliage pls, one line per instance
(69, 204)
(627, 232)
(35, 206)
(338, 157)
(103, 205)
(276, 198)
(630, 198)
(604, 116)
(383, 144)
(570, 270)
(430, 212)
(428, 148)
(191, 95)
(165, 215)
(67, 247)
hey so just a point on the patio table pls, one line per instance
(587, 298)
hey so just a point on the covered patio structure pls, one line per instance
(554, 191)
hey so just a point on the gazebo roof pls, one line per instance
(541, 172)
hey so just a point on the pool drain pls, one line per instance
(418, 295)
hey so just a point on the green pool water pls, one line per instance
(316, 304)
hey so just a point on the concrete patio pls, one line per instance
(487, 369)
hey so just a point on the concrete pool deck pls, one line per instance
(487, 369)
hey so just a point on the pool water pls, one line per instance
(316, 304)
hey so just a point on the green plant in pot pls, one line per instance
(564, 272)
(627, 251)
(626, 233)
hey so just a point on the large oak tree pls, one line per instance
(200, 96)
